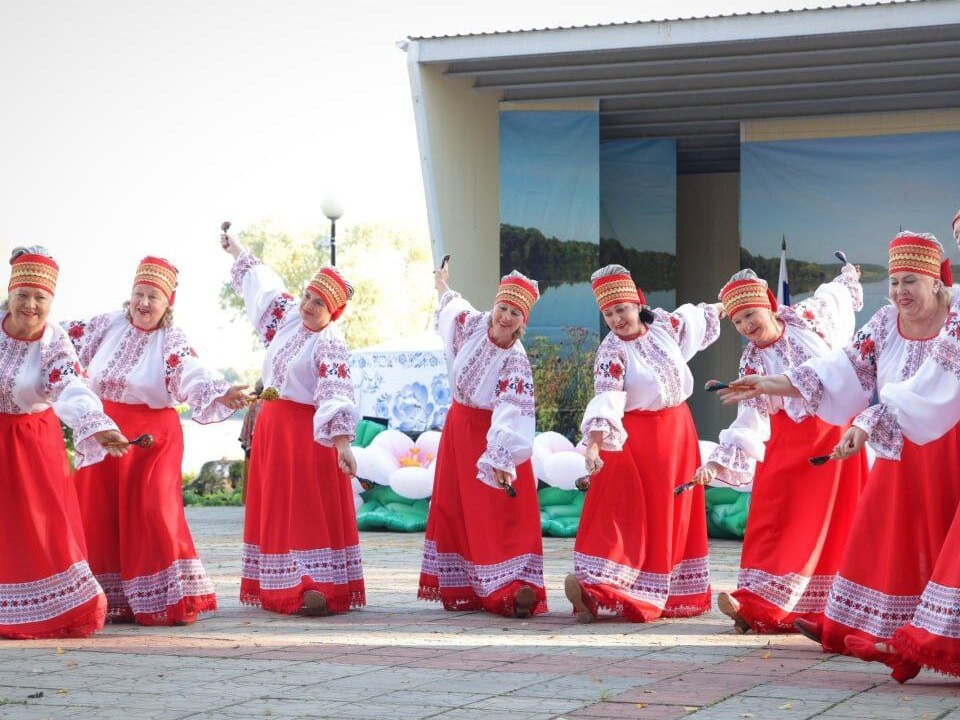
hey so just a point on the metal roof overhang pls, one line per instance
(696, 80)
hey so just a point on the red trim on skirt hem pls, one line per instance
(941, 661)
(288, 601)
(83, 621)
(500, 602)
(765, 618)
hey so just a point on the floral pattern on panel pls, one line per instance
(610, 365)
(669, 376)
(917, 352)
(473, 372)
(467, 324)
(58, 367)
(867, 346)
(883, 430)
(515, 385)
(86, 335)
(452, 570)
(281, 358)
(938, 610)
(13, 354)
(245, 262)
(808, 383)
(47, 598)
(869, 610)
(333, 381)
(792, 592)
(112, 381)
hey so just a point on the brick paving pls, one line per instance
(407, 660)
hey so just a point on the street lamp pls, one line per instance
(333, 211)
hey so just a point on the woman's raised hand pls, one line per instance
(440, 277)
(706, 473)
(230, 244)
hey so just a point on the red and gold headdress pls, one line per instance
(612, 285)
(739, 295)
(919, 253)
(33, 270)
(518, 291)
(159, 273)
(333, 288)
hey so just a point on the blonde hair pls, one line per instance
(517, 334)
(165, 322)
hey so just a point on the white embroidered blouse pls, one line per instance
(649, 372)
(484, 375)
(43, 373)
(880, 358)
(156, 368)
(305, 366)
(811, 329)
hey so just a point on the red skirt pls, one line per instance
(139, 544)
(932, 639)
(640, 551)
(481, 545)
(898, 532)
(800, 518)
(46, 587)
(300, 527)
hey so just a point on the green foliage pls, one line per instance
(562, 379)
(187, 478)
(390, 271)
(190, 497)
(804, 276)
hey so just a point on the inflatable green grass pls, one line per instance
(727, 512)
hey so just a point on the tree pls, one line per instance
(389, 269)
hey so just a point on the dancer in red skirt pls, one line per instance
(301, 548)
(923, 409)
(640, 552)
(800, 515)
(909, 503)
(46, 587)
(483, 549)
(140, 365)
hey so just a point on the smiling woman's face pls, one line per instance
(758, 325)
(28, 311)
(147, 306)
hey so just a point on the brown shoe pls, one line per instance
(523, 602)
(729, 606)
(314, 604)
(574, 592)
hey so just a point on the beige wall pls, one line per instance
(708, 253)
(829, 126)
(459, 133)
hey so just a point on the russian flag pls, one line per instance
(783, 284)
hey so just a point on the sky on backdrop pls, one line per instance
(131, 128)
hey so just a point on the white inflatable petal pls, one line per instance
(428, 443)
(414, 483)
(357, 503)
(376, 465)
(563, 468)
(871, 455)
(394, 442)
(552, 441)
(355, 484)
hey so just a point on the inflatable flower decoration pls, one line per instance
(556, 461)
(393, 459)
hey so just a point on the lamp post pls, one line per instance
(333, 211)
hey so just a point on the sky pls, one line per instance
(130, 128)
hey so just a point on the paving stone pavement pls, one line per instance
(407, 660)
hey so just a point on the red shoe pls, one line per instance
(809, 629)
(902, 668)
